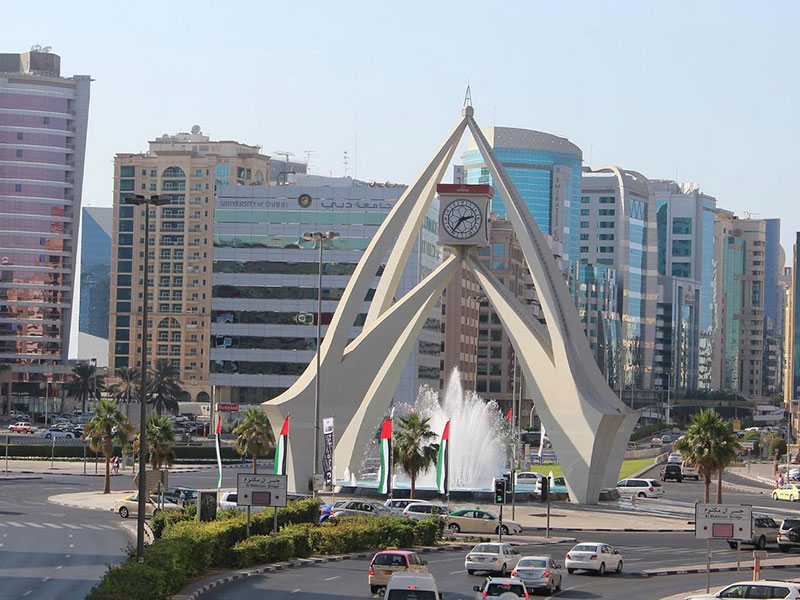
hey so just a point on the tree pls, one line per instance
(254, 435)
(160, 441)
(411, 448)
(108, 425)
(710, 445)
(85, 384)
(164, 387)
(126, 390)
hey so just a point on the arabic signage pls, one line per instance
(726, 521)
(260, 490)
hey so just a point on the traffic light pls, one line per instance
(508, 476)
(499, 491)
(544, 486)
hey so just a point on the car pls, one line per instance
(502, 587)
(360, 508)
(491, 557)
(398, 505)
(529, 478)
(425, 510)
(479, 521)
(412, 586)
(793, 474)
(19, 416)
(666, 438)
(593, 557)
(672, 471)
(387, 562)
(181, 496)
(228, 500)
(57, 432)
(325, 512)
(788, 491)
(21, 427)
(641, 488)
(765, 531)
(539, 572)
(675, 457)
(656, 443)
(789, 535)
(688, 471)
(558, 485)
(129, 505)
(754, 590)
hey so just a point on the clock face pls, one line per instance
(462, 219)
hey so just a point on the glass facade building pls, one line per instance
(264, 281)
(43, 122)
(95, 271)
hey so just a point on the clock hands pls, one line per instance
(461, 220)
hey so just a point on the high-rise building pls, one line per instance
(791, 382)
(774, 300)
(740, 285)
(187, 167)
(96, 225)
(685, 222)
(617, 235)
(43, 122)
(546, 170)
(265, 281)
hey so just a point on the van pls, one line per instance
(412, 586)
(765, 531)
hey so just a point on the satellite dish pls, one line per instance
(47, 49)
(196, 129)
(36, 48)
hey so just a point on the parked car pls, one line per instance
(360, 507)
(416, 586)
(398, 505)
(425, 510)
(384, 564)
(688, 471)
(325, 512)
(21, 427)
(129, 505)
(18, 415)
(754, 590)
(789, 534)
(593, 557)
(57, 432)
(494, 558)
(501, 587)
(765, 531)
(671, 471)
(641, 488)
(479, 521)
(539, 572)
(558, 485)
(788, 491)
(793, 474)
(181, 496)
(228, 500)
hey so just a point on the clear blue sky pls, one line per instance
(705, 90)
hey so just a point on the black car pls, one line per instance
(181, 496)
(672, 471)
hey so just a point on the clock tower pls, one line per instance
(464, 214)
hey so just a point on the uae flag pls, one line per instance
(385, 474)
(280, 448)
(443, 462)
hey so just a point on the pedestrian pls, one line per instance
(115, 464)
(781, 480)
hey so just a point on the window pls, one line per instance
(681, 269)
(19, 135)
(607, 212)
(585, 212)
(127, 171)
(681, 247)
(682, 225)
(584, 224)
(606, 224)
(17, 187)
(584, 199)
(607, 200)
(46, 120)
(19, 153)
(584, 249)
(584, 236)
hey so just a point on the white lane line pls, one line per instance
(72, 545)
(90, 526)
(67, 555)
(28, 593)
(35, 525)
(56, 515)
(332, 578)
(295, 591)
(456, 572)
(3, 525)
(70, 526)
(45, 579)
(60, 567)
(14, 524)
(32, 503)
(1, 545)
(53, 525)
(111, 527)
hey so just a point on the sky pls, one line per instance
(694, 91)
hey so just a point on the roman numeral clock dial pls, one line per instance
(462, 219)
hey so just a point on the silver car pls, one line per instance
(539, 572)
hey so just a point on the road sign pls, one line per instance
(228, 408)
(725, 521)
(760, 554)
(153, 479)
(260, 490)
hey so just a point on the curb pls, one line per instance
(695, 570)
(184, 594)
(612, 529)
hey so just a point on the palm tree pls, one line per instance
(108, 425)
(411, 448)
(254, 435)
(85, 384)
(160, 440)
(164, 387)
(710, 445)
(126, 389)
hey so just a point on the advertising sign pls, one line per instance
(327, 456)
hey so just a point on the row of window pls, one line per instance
(287, 292)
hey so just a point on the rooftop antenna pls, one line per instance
(308, 154)
(287, 171)
(345, 162)
(749, 215)
(468, 96)
(355, 157)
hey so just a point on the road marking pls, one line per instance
(90, 526)
(1, 545)
(70, 526)
(456, 572)
(60, 567)
(53, 525)
(28, 593)
(35, 525)
(295, 591)
(67, 555)
(70, 535)
(45, 579)
(3, 525)
(72, 545)
(32, 503)
(332, 578)
(14, 524)
(57, 515)
(108, 527)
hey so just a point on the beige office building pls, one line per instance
(187, 167)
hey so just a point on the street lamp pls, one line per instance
(93, 362)
(138, 200)
(318, 236)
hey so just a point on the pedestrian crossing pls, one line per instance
(44, 525)
(644, 554)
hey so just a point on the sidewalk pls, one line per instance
(758, 472)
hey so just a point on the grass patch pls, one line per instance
(628, 468)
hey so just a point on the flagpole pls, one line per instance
(447, 464)
(217, 429)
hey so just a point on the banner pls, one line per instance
(280, 448)
(327, 455)
(219, 456)
(385, 474)
(442, 463)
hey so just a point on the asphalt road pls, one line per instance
(49, 551)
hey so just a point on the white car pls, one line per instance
(675, 457)
(539, 572)
(228, 500)
(425, 510)
(688, 471)
(593, 557)
(754, 590)
(398, 505)
(641, 488)
(493, 558)
(529, 478)
(57, 433)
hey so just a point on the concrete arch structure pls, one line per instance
(587, 423)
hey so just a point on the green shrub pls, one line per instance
(165, 518)
(131, 580)
(213, 540)
(296, 511)
(260, 549)
(428, 532)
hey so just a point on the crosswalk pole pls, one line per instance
(708, 565)
(738, 556)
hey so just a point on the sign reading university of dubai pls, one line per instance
(327, 455)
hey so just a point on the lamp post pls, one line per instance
(139, 200)
(321, 238)
(93, 362)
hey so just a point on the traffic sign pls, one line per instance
(760, 554)
(725, 521)
(260, 490)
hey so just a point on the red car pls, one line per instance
(21, 427)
